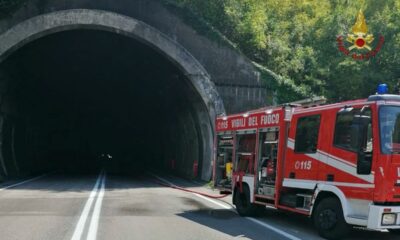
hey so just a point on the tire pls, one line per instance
(329, 219)
(394, 231)
(242, 202)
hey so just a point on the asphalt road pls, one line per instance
(123, 207)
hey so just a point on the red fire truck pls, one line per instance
(337, 163)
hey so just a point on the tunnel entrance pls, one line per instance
(68, 97)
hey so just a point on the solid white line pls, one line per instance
(226, 206)
(26, 181)
(94, 222)
(84, 215)
(283, 233)
(310, 184)
(163, 179)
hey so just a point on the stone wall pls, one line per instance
(236, 79)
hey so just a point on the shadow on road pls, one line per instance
(79, 182)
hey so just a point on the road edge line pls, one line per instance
(277, 230)
(23, 182)
(226, 206)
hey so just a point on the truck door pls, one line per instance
(302, 164)
(243, 171)
(352, 138)
(343, 153)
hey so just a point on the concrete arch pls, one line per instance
(42, 25)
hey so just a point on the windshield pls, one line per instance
(389, 117)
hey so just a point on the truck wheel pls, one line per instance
(329, 219)
(394, 231)
(242, 202)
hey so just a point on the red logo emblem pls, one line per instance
(358, 44)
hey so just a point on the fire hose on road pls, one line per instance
(165, 183)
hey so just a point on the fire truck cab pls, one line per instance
(337, 163)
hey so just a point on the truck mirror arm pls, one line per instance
(364, 160)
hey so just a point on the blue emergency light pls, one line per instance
(383, 88)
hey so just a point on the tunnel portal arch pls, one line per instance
(42, 25)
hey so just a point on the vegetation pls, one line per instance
(294, 41)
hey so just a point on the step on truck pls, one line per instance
(338, 164)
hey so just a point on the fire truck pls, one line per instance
(338, 163)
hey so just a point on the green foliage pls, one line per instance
(294, 44)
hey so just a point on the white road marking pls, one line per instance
(226, 206)
(94, 222)
(23, 182)
(162, 179)
(84, 215)
(283, 233)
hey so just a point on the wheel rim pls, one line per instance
(327, 219)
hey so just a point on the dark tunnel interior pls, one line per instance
(69, 97)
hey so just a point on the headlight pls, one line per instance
(389, 219)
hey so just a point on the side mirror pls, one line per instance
(364, 163)
(364, 159)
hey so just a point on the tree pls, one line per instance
(296, 40)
